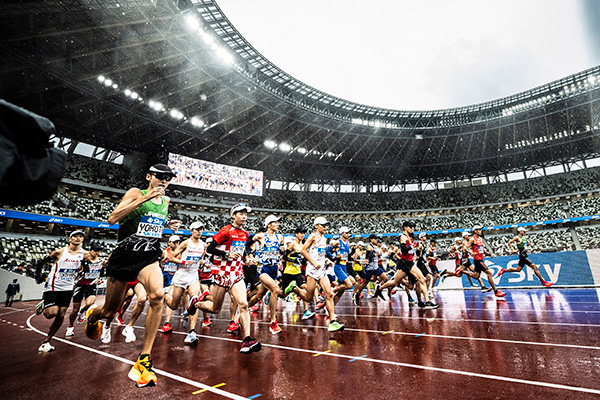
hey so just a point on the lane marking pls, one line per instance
(157, 371)
(204, 390)
(255, 396)
(321, 353)
(358, 358)
(385, 333)
(421, 334)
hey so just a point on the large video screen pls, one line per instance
(206, 175)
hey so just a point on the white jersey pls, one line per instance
(192, 256)
(317, 250)
(91, 277)
(64, 271)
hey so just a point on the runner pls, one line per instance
(521, 244)
(314, 252)
(58, 289)
(432, 264)
(292, 270)
(346, 281)
(141, 215)
(169, 267)
(373, 270)
(228, 247)
(268, 267)
(406, 266)
(86, 287)
(358, 263)
(466, 265)
(189, 257)
(477, 250)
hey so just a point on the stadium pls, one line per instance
(132, 83)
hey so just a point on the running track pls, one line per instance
(540, 344)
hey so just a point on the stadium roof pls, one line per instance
(160, 76)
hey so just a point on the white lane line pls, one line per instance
(423, 367)
(157, 371)
(420, 334)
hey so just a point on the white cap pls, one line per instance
(239, 207)
(457, 239)
(288, 239)
(361, 243)
(422, 234)
(384, 246)
(174, 238)
(476, 227)
(320, 221)
(344, 229)
(77, 232)
(269, 219)
(196, 225)
(521, 229)
(465, 234)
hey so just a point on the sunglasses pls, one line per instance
(163, 177)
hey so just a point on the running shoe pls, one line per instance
(254, 308)
(392, 292)
(167, 328)
(120, 319)
(360, 296)
(500, 294)
(355, 299)
(268, 298)
(443, 274)
(93, 331)
(233, 327)
(443, 278)
(106, 336)
(206, 323)
(335, 326)
(502, 270)
(294, 297)
(129, 334)
(411, 300)
(274, 328)
(46, 347)
(430, 306)
(420, 304)
(290, 288)
(250, 345)
(377, 292)
(39, 308)
(320, 305)
(369, 296)
(191, 309)
(70, 331)
(191, 338)
(142, 372)
(81, 317)
(185, 314)
(486, 289)
(308, 314)
(546, 283)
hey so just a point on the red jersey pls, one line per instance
(230, 240)
(477, 248)
(408, 254)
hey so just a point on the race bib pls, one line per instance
(170, 267)
(67, 274)
(193, 260)
(321, 253)
(150, 227)
(237, 247)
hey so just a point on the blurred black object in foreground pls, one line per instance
(30, 167)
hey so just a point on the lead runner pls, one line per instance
(141, 215)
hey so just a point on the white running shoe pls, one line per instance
(191, 338)
(46, 347)
(105, 337)
(70, 331)
(129, 334)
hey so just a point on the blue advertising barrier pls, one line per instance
(566, 268)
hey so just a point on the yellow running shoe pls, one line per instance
(93, 331)
(142, 372)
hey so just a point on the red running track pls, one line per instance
(534, 344)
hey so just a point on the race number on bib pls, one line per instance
(237, 246)
(150, 227)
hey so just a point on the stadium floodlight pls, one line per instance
(301, 150)
(270, 144)
(134, 95)
(115, 86)
(155, 105)
(285, 147)
(101, 78)
(197, 122)
(176, 114)
(127, 92)
(192, 21)
(108, 82)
